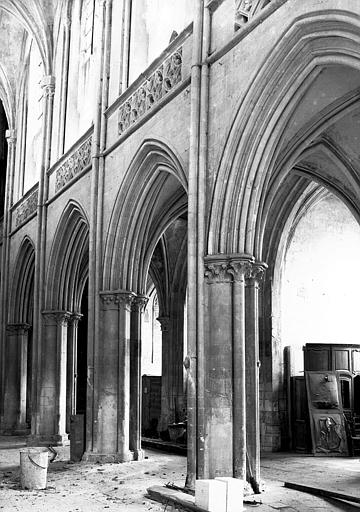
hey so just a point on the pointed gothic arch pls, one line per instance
(254, 142)
(37, 22)
(23, 283)
(69, 260)
(152, 196)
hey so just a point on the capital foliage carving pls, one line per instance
(256, 272)
(139, 303)
(10, 137)
(117, 299)
(225, 269)
(20, 328)
(164, 323)
(240, 269)
(48, 85)
(75, 318)
(217, 272)
(60, 318)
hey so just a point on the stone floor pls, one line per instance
(84, 487)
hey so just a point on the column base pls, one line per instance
(105, 458)
(139, 454)
(48, 440)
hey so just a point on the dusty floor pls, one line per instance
(83, 487)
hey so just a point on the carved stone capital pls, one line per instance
(164, 323)
(48, 85)
(256, 272)
(18, 329)
(10, 137)
(75, 317)
(217, 269)
(240, 267)
(117, 299)
(139, 303)
(60, 318)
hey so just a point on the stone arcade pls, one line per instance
(155, 164)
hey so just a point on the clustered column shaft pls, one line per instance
(232, 367)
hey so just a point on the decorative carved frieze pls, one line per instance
(246, 9)
(74, 164)
(113, 300)
(26, 208)
(163, 80)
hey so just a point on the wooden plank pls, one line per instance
(167, 496)
(322, 492)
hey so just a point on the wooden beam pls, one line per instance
(322, 492)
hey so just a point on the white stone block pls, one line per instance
(234, 493)
(210, 495)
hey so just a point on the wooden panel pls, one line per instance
(326, 414)
(341, 359)
(300, 429)
(151, 404)
(317, 358)
(356, 360)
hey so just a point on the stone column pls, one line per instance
(172, 381)
(5, 259)
(51, 411)
(71, 367)
(254, 277)
(165, 416)
(239, 267)
(15, 386)
(112, 380)
(64, 86)
(177, 355)
(218, 372)
(137, 309)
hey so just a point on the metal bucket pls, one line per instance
(33, 468)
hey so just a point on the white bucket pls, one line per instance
(33, 468)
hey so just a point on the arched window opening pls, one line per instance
(151, 352)
(32, 120)
(81, 366)
(81, 85)
(3, 157)
(154, 24)
(318, 304)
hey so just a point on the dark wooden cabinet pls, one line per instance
(319, 357)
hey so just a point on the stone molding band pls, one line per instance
(224, 268)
